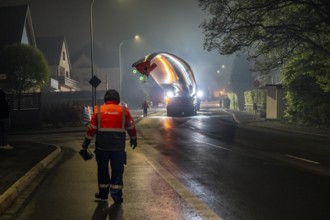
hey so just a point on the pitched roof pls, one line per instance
(103, 56)
(13, 20)
(51, 47)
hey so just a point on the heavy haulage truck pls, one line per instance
(177, 80)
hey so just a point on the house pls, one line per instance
(56, 52)
(16, 26)
(103, 68)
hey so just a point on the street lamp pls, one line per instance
(92, 52)
(222, 67)
(120, 62)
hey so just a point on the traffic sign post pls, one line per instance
(94, 81)
(256, 84)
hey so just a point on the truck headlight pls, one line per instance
(200, 94)
(170, 94)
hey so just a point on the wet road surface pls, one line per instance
(201, 167)
(233, 169)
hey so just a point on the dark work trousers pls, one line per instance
(113, 183)
(145, 112)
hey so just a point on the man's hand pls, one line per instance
(133, 143)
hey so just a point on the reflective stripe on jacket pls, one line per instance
(110, 123)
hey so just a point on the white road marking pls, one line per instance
(302, 159)
(213, 145)
(191, 199)
(233, 115)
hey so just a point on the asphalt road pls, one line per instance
(200, 167)
(243, 172)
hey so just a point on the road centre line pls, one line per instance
(302, 159)
(213, 145)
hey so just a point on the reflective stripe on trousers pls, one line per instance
(116, 186)
(104, 186)
(113, 183)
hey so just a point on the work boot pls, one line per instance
(118, 201)
(99, 198)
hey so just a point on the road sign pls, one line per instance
(3, 76)
(95, 81)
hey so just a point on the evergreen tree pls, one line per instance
(25, 66)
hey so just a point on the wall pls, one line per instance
(275, 101)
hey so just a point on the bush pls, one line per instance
(63, 114)
(306, 79)
(306, 102)
(258, 96)
(233, 100)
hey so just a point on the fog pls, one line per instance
(170, 26)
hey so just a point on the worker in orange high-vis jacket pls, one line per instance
(109, 124)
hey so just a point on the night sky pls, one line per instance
(171, 26)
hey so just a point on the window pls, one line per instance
(63, 55)
(61, 71)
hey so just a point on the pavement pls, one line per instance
(20, 166)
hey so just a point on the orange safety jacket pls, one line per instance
(110, 123)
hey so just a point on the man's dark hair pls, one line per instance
(111, 94)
